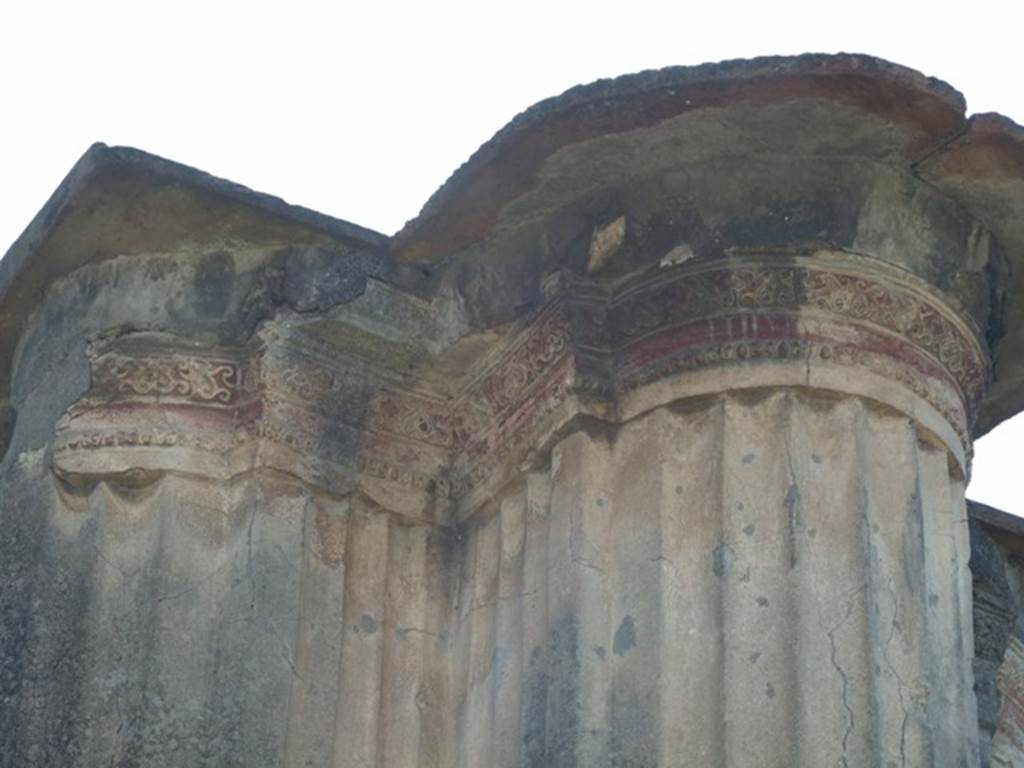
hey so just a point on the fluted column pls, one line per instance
(644, 445)
(761, 578)
(757, 556)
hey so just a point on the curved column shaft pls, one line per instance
(770, 578)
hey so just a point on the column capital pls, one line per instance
(779, 222)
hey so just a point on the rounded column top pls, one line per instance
(789, 154)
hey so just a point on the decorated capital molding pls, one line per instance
(833, 321)
(164, 403)
(292, 402)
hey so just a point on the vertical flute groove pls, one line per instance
(361, 651)
(508, 631)
(739, 581)
(535, 620)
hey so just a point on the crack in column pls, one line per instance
(846, 682)
(197, 586)
(792, 497)
(248, 558)
(669, 563)
(574, 556)
(892, 669)
(285, 650)
(477, 605)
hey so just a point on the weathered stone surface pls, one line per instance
(645, 444)
(797, 600)
(996, 539)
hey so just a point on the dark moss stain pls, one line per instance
(160, 268)
(562, 724)
(316, 279)
(600, 652)
(625, 637)
(749, 530)
(722, 560)
(535, 710)
(748, 459)
(7, 418)
(214, 276)
(633, 728)
(762, 601)
(769, 690)
(43, 671)
(368, 624)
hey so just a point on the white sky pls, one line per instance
(362, 109)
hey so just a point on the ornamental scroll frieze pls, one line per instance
(522, 392)
(199, 379)
(714, 315)
(208, 410)
(907, 312)
(150, 393)
(586, 348)
(525, 363)
(338, 389)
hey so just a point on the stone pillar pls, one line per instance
(645, 444)
(998, 658)
(759, 556)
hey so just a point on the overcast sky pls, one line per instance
(361, 110)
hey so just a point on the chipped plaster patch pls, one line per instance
(605, 242)
(681, 253)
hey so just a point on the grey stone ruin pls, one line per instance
(645, 444)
